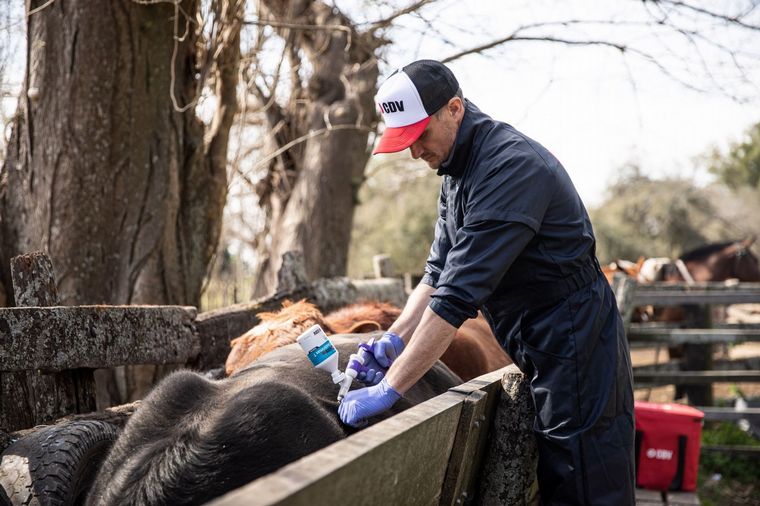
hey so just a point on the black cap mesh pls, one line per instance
(434, 81)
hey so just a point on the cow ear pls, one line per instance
(363, 327)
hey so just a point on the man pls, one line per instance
(514, 240)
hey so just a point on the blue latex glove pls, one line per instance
(379, 358)
(364, 403)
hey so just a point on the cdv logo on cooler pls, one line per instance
(659, 454)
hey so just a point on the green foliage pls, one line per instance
(654, 217)
(729, 466)
(741, 165)
(398, 207)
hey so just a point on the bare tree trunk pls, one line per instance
(312, 211)
(102, 171)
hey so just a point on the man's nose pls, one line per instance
(415, 149)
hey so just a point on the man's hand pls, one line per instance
(378, 357)
(361, 404)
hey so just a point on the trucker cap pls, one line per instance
(408, 98)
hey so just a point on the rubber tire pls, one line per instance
(55, 466)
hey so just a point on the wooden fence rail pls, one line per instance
(47, 354)
(699, 338)
(68, 337)
(695, 377)
(696, 336)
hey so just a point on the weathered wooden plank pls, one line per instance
(708, 286)
(29, 398)
(681, 499)
(464, 464)
(716, 414)
(695, 377)
(743, 450)
(60, 338)
(716, 325)
(738, 364)
(489, 382)
(696, 336)
(646, 497)
(509, 464)
(402, 460)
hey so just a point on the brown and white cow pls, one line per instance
(473, 351)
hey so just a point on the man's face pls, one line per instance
(436, 141)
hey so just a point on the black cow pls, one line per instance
(194, 439)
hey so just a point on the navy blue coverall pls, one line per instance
(514, 240)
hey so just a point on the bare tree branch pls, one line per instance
(302, 26)
(382, 23)
(737, 20)
(38, 9)
(514, 38)
(304, 138)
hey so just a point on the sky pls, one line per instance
(593, 108)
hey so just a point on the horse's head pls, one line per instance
(722, 261)
(745, 264)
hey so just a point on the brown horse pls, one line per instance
(712, 262)
(717, 262)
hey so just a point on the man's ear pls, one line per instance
(456, 107)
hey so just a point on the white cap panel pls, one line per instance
(399, 101)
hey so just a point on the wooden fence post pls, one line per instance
(624, 289)
(30, 398)
(698, 357)
(509, 468)
(382, 266)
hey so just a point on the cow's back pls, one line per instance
(193, 439)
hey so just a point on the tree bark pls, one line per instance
(102, 172)
(312, 212)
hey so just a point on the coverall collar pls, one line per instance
(460, 152)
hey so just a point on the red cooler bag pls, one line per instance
(667, 446)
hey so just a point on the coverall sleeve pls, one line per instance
(440, 246)
(503, 213)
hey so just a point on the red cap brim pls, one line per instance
(400, 138)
